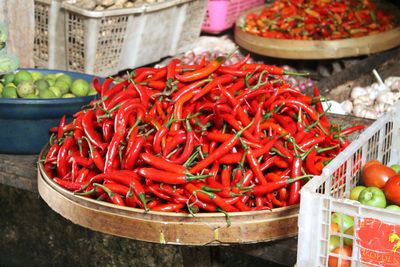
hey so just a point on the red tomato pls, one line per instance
(377, 175)
(333, 261)
(392, 189)
(372, 162)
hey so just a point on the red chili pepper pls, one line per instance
(162, 164)
(187, 151)
(352, 129)
(115, 197)
(168, 177)
(112, 151)
(169, 207)
(201, 73)
(219, 152)
(62, 157)
(52, 153)
(207, 196)
(72, 186)
(90, 132)
(61, 124)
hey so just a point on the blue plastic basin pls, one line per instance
(25, 123)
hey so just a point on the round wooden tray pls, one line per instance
(164, 227)
(298, 49)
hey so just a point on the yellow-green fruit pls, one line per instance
(42, 84)
(50, 76)
(46, 94)
(80, 87)
(9, 92)
(8, 78)
(36, 75)
(31, 96)
(65, 78)
(92, 91)
(1, 88)
(21, 76)
(63, 86)
(25, 88)
(68, 95)
(56, 91)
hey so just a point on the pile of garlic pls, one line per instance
(110, 4)
(372, 101)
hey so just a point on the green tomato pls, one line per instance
(355, 192)
(334, 242)
(347, 221)
(372, 196)
(393, 207)
(396, 168)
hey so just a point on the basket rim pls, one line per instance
(146, 8)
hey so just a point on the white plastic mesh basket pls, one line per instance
(330, 193)
(106, 42)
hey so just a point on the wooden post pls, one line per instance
(19, 16)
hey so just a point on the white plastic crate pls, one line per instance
(49, 42)
(330, 193)
(106, 42)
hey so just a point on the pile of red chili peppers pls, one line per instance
(318, 20)
(189, 138)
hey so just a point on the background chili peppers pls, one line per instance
(318, 20)
(195, 138)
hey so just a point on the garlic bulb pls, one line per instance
(347, 106)
(386, 97)
(357, 92)
(365, 112)
(363, 100)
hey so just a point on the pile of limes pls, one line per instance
(25, 84)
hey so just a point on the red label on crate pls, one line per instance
(379, 243)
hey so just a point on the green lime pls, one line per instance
(47, 94)
(8, 78)
(80, 87)
(42, 84)
(36, 75)
(25, 88)
(92, 91)
(9, 92)
(31, 96)
(65, 78)
(56, 91)
(68, 95)
(63, 86)
(22, 75)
